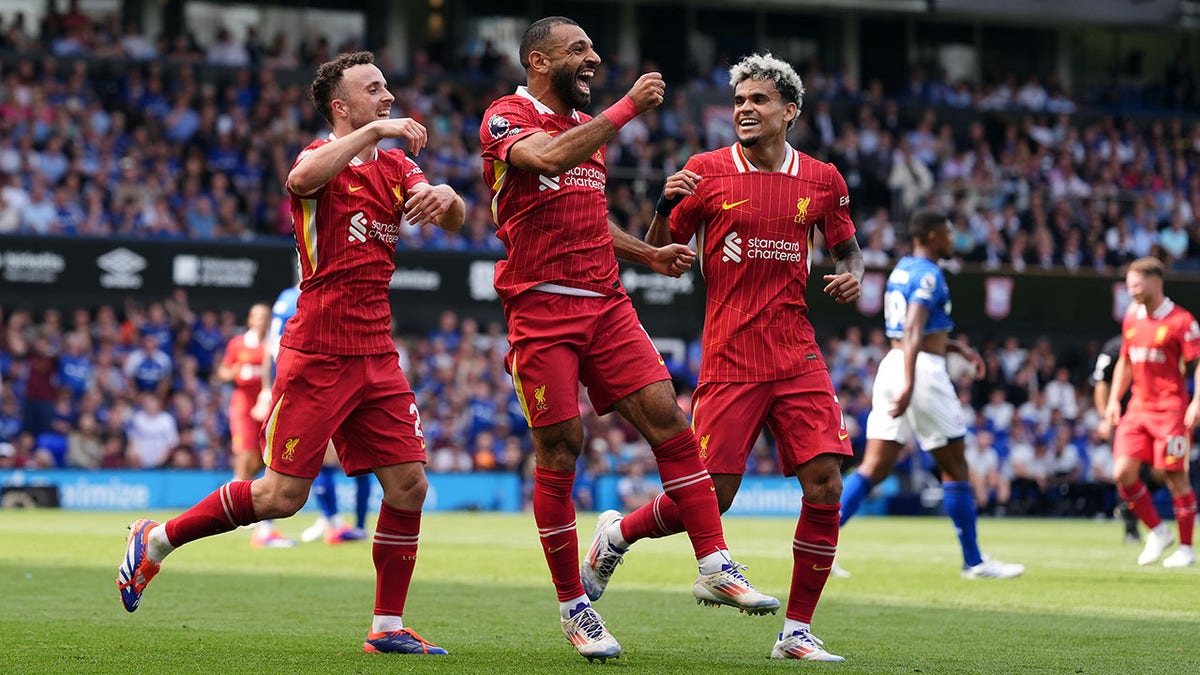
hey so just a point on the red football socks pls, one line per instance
(1185, 517)
(554, 513)
(812, 557)
(1138, 499)
(227, 508)
(394, 550)
(659, 518)
(689, 486)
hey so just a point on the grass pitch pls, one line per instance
(483, 592)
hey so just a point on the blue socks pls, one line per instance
(960, 506)
(362, 495)
(855, 489)
(325, 492)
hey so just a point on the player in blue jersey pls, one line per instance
(329, 524)
(913, 394)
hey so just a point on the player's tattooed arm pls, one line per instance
(845, 284)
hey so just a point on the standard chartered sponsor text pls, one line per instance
(389, 233)
(783, 250)
(585, 176)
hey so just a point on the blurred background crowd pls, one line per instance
(106, 131)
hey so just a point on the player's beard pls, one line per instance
(749, 142)
(563, 81)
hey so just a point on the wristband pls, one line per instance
(665, 204)
(621, 112)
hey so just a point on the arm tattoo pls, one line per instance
(848, 258)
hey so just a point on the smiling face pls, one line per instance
(760, 113)
(364, 96)
(572, 65)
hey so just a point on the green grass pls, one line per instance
(482, 591)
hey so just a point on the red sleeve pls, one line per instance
(837, 226)
(305, 153)
(410, 173)
(1190, 347)
(231, 351)
(506, 122)
(688, 215)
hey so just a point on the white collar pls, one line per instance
(355, 161)
(1163, 309)
(542, 108)
(790, 164)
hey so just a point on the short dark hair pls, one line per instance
(538, 34)
(1149, 266)
(925, 221)
(327, 85)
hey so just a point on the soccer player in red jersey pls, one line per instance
(1161, 343)
(242, 365)
(338, 370)
(753, 208)
(570, 320)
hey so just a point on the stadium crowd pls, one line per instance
(113, 133)
(116, 134)
(134, 387)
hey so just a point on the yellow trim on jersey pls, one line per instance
(501, 170)
(520, 391)
(271, 420)
(308, 231)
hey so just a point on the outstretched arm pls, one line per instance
(670, 259)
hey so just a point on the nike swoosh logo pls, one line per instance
(556, 550)
(842, 437)
(818, 568)
(725, 206)
(356, 188)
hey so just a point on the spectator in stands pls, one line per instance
(1097, 489)
(1031, 471)
(148, 368)
(1060, 394)
(152, 433)
(989, 474)
(85, 447)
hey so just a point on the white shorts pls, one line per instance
(934, 413)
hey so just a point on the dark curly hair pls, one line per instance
(327, 85)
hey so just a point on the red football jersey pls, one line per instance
(1158, 345)
(245, 352)
(346, 233)
(554, 229)
(754, 232)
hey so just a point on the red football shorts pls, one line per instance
(364, 403)
(556, 341)
(1157, 438)
(243, 428)
(802, 412)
